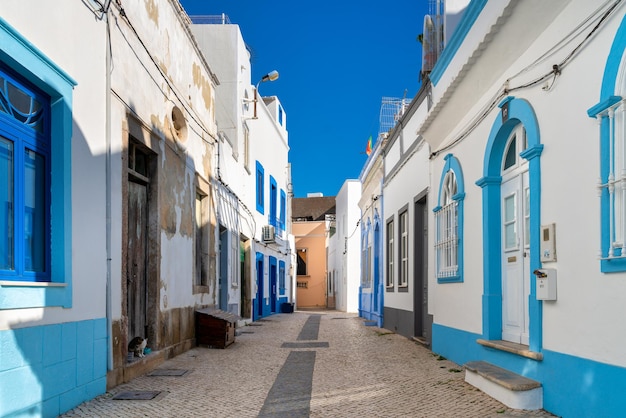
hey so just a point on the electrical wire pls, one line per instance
(559, 45)
(192, 113)
(557, 69)
(356, 227)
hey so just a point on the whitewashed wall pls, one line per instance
(581, 321)
(62, 44)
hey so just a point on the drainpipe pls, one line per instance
(107, 135)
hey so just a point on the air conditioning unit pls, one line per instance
(269, 233)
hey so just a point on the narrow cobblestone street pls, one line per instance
(317, 364)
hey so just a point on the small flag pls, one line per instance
(368, 150)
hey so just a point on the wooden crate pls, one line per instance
(215, 328)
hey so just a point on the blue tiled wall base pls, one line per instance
(572, 386)
(48, 370)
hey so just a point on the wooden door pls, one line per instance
(136, 285)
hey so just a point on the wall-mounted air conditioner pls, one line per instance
(269, 233)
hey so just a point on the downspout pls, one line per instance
(107, 135)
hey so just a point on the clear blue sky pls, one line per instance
(336, 60)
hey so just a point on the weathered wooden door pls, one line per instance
(136, 277)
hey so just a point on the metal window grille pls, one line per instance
(446, 241)
(615, 183)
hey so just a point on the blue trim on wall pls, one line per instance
(608, 98)
(371, 297)
(469, 17)
(519, 111)
(572, 386)
(24, 58)
(452, 164)
(47, 370)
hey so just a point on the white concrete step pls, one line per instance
(511, 389)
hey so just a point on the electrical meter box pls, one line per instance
(546, 284)
(548, 243)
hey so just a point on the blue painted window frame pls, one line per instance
(283, 210)
(281, 277)
(452, 164)
(608, 98)
(26, 139)
(21, 57)
(260, 188)
(273, 219)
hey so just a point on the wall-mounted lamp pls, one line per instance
(271, 76)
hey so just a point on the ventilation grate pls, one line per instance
(168, 372)
(138, 395)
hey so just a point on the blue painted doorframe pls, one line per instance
(273, 272)
(258, 301)
(514, 112)
(223, 291)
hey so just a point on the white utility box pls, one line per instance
(546, 284)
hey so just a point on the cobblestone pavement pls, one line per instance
(306, 364)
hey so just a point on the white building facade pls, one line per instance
(343, 271)
(406, 196)
(252, 179)
(526, 205)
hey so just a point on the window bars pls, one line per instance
(615, 182)
(446, 241)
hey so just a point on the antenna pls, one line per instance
(391, 110)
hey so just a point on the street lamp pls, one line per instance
(271, 76)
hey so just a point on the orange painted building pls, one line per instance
(311, 221)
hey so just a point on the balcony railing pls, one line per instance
(222, 19)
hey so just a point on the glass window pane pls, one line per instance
(509, 236)
(509, 208)
(6, 205)
(34, 211)
(527, 217)
(511, 154)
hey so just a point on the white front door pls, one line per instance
(515, 258)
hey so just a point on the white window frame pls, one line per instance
(403, 223)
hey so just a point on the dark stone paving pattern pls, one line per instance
(290, 396)
(311, 328)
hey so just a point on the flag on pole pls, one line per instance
(368, 149)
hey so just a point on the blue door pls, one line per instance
(259, 285)
(273, 283)
(223, 282)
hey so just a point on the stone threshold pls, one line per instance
(509, 347)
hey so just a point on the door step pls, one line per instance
(511, 389)
(422, 341)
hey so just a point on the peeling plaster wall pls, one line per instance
(157, 72)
